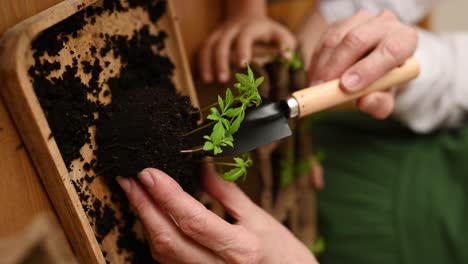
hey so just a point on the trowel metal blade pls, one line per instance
(261, 126)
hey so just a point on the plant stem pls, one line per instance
(121, 146)
(186, 151)
(198, 129)
(223, 163)
(204, 108)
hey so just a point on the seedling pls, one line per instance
(294, 62)
(240, 166)
(318, 247)
(227, 116)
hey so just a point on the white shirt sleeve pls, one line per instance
(409, 11)
(438, 98)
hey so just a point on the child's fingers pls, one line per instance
(223, 53)
(206, 58)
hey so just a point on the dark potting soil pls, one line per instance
(142, 126)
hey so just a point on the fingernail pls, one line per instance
(287, 54)
(242, 62)
(351, 81)
(223, 77)
(146, 179)
(207, 78)
(124, 184)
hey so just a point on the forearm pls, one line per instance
(245, 7)
(438, 98)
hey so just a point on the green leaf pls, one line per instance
(214, 111)
(208, 146)
(230, 138)
(214, 114)
(217, 150)
(254, 99)
(244, 81)
(295, 62)
(259, 81)
(212, 117)
(228, 142)
(248, 160)
(234, 174)
(318, 247)
(218, 133)
(226, 123)
(250, 73)
(229, 98)
(233, 112)
(240, 162)
(236, 123)
(221, 103)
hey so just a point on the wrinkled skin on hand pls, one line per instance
(358, 52)
(182, 230)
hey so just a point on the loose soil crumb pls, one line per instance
(142, 126)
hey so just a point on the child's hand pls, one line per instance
(242, 32)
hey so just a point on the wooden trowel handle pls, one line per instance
(327, 95)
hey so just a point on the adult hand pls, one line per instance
(241, 31)
(182, 230)
(359, 51)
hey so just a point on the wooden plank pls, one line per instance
(15, 59)
(22, 195)
(14, 11)
(40, 243)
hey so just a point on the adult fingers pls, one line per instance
(167, 243)
(378, 104)
(355, 44)
(233, 199)
(222, 53)
(233, 243)
(329, 41)
(399, 44)
(205, 59)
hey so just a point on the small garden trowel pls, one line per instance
(269, 122)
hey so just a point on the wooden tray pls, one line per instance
(15, 60)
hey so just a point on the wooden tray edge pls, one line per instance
(19, 95)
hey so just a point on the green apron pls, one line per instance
(392, 196)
